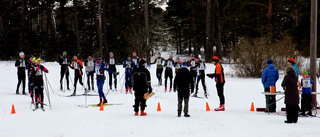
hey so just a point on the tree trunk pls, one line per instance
(75, 6)
(146, 17)
(209, 45)
(63, 24)
(194, 25)
(180, 45)
(96, 22)
(217, 30)
(104, 18)
(100, 30)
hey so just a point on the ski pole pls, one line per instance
(49, 83)
(47, 90)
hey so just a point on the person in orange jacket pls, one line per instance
(219, 77)
(77, 66)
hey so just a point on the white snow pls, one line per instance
(67, 119)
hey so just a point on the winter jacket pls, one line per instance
(89, 65)
(182, 83)
(128, 65)
(112, 62)
(77, 66)
(21, 65)
(141, 81)
(306, 85)
(192, 63)
(99, 70)
(270, 75)
(219, 74)
(169, 64)
(37, 72)
(290, 82)
(296, 70)
(64, 62)
(178, 65)
(201, 67)
(158, 61)
(135, 60)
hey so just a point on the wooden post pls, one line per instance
(313, 48)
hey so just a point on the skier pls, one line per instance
(178, 65)
(169, 64)
(112, 62)
(219, 77)
(201, 76)
(159, 70)
(30, 64)
(135, 59)
(99, 69)
(306, 83)
(291, 100)
(77, 66)
(128, 65)
(141, 83)
(270, 75)
(64, 62)
(148, 66)
(21, 67)
(291, 62)
(192, 63)
(182, 83)
(89, 67)
(37, 72)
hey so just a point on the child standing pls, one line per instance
(306, 83)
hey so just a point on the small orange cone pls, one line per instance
(101, 107)
(252, 107)
(159, 108)
(13, 111)
(207, 107)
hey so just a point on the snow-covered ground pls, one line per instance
(67, 119)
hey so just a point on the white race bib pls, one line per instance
(75, 65)
(97, 70)
(159, 61)
(201, 66)
(169, 64)
(111, 61)
(306, 83)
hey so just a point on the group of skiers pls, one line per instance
(292, 87)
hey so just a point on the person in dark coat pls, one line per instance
(291, 100)
(270, 76)
(21, 66)
(64, 62)
(182, 83)
(141, 83)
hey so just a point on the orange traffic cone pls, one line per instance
(207, 107)
(13, 111)
(101, 107)
(159, 108)
(252, 107)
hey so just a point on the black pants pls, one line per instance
(30, 86)
(90, 76)
(219, 87)
(306, 102)
(114, 80)
(202, 78)
(270, 101)
(186, 104)
(21, 79)
(139, 101)
(292, 113)
(168, 73)
(64, 71)
(38, 89)
(159, 74)
(76, 78)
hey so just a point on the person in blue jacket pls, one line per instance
(99, 69)
(270, 75)
(306, 97)
(128, 65)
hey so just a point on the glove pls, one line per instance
(210, 75)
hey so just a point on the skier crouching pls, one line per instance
(37, 73)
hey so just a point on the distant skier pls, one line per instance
(99, 69)
(201, 76)
(128, 65)
(77, 66)
(21, 66)
(177, 65)
(219, 77)
(89, 67)
(64, 62)
(182, 83)
(169, 64)
(112, 62)
(192, 63)
(159, 60)
(141, 82)
(135, 59)
(37, 72)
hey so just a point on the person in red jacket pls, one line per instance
(219, 77)
(77, 66)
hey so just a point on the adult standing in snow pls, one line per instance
(291, 62)
(169, 64)
(192, 63)
(201, 76)
(64, 62)
(77, 66)
(112, 62)
(99, 69)
(159, 69)
(291, 100)
(177, 65)
(21, 66)
(37, 72)
(141, 83)
(28, 67)
(128, 65)
(182, 83)
(270, 75)
(219, 77)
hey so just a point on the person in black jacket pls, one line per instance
(21, 65)
(182, 83)
(291, 100)
(141, 83)
(112, 62)
(64, 62)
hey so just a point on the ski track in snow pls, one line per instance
(67, 119)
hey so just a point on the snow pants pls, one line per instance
(38, 90)
(21, 79)
(90, 77)
(202, 78)
(114, 79)
(186, 104)
(128, 82)
(100, 83)
(306, 102)
(219, 87)
(159, 75)
(76, 78)
(139, 101)
(292, 113)
(64, 71)
(168, 73)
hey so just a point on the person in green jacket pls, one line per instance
(159, 61)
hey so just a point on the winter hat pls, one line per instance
(30, 56)
(171, 56)
(305, 72)
(110, 53)
(291, 60)
(177, 58)
(215, 59)
(191, 55)
(38, 60)
(184, 64)
(199, 56)
(142, 62)
(269, 61)
(97, 61)
(64, 53)
(159, 53)
(290, 68)
(21, 54)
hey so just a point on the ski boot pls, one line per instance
(220, 108)
(143, 113)
(130, 90)
(136, 113)
(170, 89)
(127, 90)
(179, 114)
(105, 101)
(74, 93)
(165, 89)
(186, 115)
